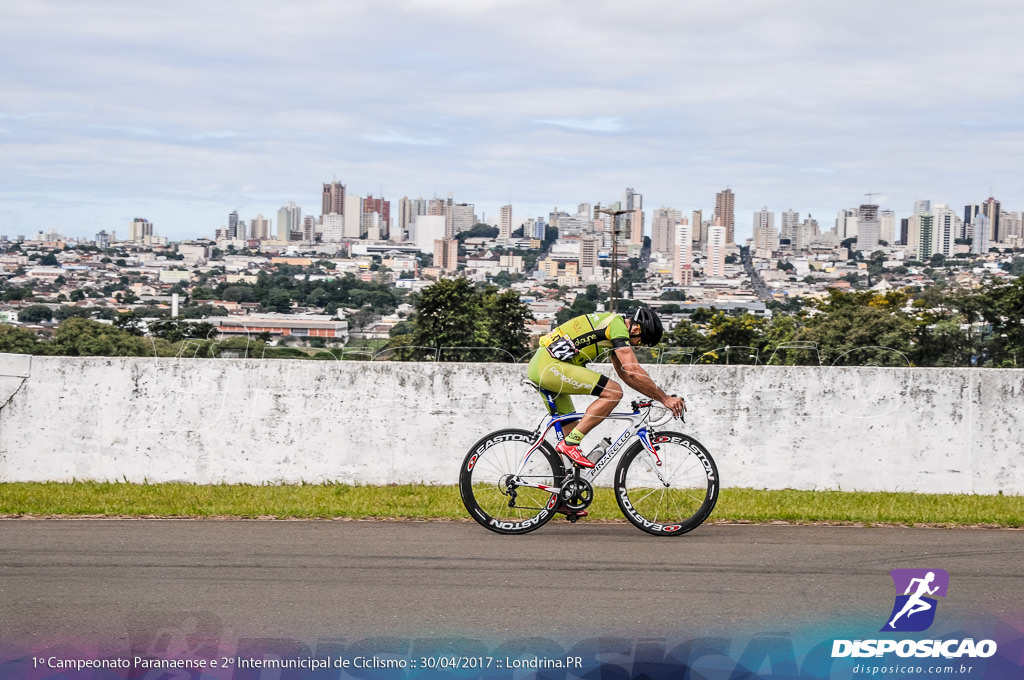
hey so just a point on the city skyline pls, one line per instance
(183, 114)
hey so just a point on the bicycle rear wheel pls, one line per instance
(486, 489)
(670, 499)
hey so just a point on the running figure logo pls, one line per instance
(914, 609)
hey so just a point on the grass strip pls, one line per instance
(309, 501)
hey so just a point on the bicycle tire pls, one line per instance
(485, 469)
(682, 501)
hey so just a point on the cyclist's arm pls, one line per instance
(634, 375)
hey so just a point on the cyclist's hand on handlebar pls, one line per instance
(675, 404)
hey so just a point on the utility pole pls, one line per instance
(614, 214)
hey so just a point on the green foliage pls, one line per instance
(477, 231)
(84, 337)
(176, 330)
(35, 314)
(202, 311)
(423, 501)
(68, 311)
(457, 322)
(14, 340)
(581, 305)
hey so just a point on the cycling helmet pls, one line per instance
(651, 329)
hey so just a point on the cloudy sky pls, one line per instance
(183, 111)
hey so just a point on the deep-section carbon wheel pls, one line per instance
(670, 499)
(489, 492)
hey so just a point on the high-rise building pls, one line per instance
(634, 201)
(635, 204)
(682, 261)
(332, 227)
(923, 207)
(139, 230)
(371, 226)
(538, 229)
(505, 223)
(233, 225)
(308, 232)
(715, 264)
(589, 246)
(446, 254)
(428, 228)
(289, 221)
(463, 217)
(700, 235)
(945, 225)
(991, 210)
(382, 208)
(925, 235)
(971, 210)
(333, 199)
(408, 211)
(353, 212)
(766, 238)
(846, 224)
(764, 219)
(887, 228)
(980, 242)
(259, 228)
(663, 230)
(869, 228)
(725, 214)
(789, 227)
(1012, 227)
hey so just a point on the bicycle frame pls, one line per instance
(638, 427)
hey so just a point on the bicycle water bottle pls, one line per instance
(597, 453)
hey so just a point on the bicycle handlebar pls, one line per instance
(663, 420)
(651, 404)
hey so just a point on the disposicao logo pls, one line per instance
(912, 612)
(916, 589)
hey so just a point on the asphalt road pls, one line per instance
(125, 583)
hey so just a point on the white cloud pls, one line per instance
(791, 103)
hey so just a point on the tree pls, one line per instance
(84, 337)
(452, 316)
(478, 230)
(745, 332)
(68, 311)
(35, 314)
(1002, 307)
(685, 334)
(505, 318)
(14, 340)
(201, 293)
(176, 330)
(861, 328)
(447, 316)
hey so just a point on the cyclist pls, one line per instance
(558, 366)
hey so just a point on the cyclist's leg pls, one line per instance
(564, 379)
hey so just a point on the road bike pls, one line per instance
(512, 481)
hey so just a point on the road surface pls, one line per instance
(117, 584)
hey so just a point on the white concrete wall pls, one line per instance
(255, 421)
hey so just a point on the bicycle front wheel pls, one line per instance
(672, 498)
(487, 487)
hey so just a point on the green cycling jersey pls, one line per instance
(584, 338)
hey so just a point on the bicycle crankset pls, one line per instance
(577, 494)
